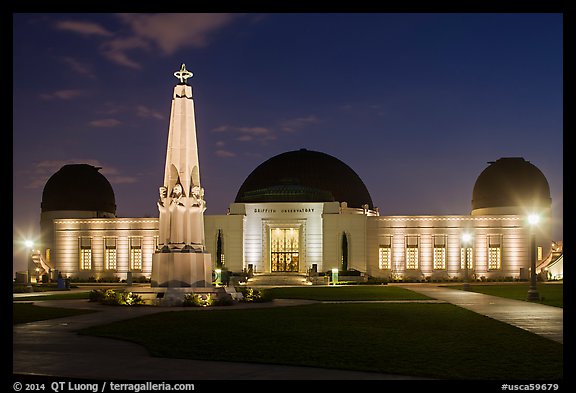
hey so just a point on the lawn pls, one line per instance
(56, 296)
(550, 294)
(348, 292)
(28, 312)
(428, 340)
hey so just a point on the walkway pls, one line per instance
(52, 347)
(537, 318)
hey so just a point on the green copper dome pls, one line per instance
(304, 176)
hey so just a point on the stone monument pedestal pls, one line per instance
(181, 270)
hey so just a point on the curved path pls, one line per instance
(52, 348)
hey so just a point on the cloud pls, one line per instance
(295, 124)
(262, 134)
(224, 153)
(43, 170)
(84, 28)
(172, 31)
(64, 94)
(105, 123)
(247, 134)
(161, 33)
(115, 50)
(146, 113)
(243, 130)
(114, 176)
(79, 67)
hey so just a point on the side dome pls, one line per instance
(78, 187)
(510, 185)
(304, 176)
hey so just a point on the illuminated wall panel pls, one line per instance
(246, 237)
(508, 228)
(426, 253)
(67, 232)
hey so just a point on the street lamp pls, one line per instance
(533, 295)
(29, 245)
(466, 237)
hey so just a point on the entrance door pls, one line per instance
(284, 249)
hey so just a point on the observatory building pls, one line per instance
(303, 212)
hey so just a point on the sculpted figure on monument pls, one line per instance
(196, 218)
(164, 229)
(198, 197)
(177, 215)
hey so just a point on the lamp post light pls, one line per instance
(334, 276)
(533, 295)
(218, 279)
(466, 237)
(29, 246)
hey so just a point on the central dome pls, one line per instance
(304, 176)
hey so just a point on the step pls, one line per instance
(278, 279)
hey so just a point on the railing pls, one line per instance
(40, 263)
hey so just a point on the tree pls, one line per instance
(344, 266)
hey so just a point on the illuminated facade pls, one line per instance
(394, 247)
(299, 236)
(300, 212)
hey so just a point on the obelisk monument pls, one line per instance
(181, 259)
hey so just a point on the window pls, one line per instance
(463, 257)
(494, 252)
(440, 252)
(493, 258)
(439, 258)
(539, 252)
(385, 252)
(412, 252)
(135, 253)
(110, 253)
(412, 258)
(384, 257)
(85, 253)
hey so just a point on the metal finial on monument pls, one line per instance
(183, 74)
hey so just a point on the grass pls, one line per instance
(28, 312)
(429, 340)
(551, 294)
(356, 292)
(56, 296)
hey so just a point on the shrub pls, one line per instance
(205, 300)
(114, 298)
(198, 300)
(109, 279)
(254, 295)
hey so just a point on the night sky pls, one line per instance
(416, 104)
